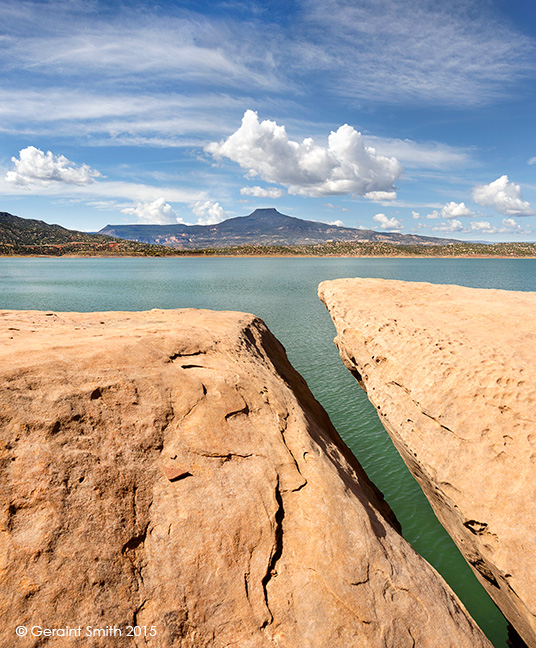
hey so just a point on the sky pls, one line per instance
(412, 116)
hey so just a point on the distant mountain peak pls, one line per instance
(264, 212)
(264, 226)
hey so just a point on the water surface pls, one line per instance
(283, 292)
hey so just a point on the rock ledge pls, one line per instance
(452, 373)
(171, 469)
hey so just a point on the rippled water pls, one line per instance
(283, 293)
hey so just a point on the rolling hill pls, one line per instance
(27, 236)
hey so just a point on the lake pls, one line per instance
(283, 292)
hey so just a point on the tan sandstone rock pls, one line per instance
(452, 373)
(171, 470)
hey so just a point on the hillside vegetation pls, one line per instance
(28, 237)
(373, 249)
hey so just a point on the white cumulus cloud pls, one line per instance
(456, 210)
(452, 210)
(33, 166)
(511, 225)
(380, 196)
(345, 166)
(504, 196)
(450, 226)
(158, 212)
(262, 192)
(485, 227)
(208, 212)
(388, 223)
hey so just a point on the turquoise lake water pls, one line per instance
(283, 292)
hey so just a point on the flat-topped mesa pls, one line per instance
(452, 373)
(170, 470)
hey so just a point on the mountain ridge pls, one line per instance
(265, 226)
(32, 237)
(35, 237)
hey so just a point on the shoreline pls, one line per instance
(263, 256)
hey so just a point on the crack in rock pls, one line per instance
(277, 550)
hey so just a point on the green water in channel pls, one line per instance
(283, 293)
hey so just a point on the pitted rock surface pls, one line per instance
(452, 373)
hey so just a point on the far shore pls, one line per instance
(199, 255)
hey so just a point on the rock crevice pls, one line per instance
(211, 499)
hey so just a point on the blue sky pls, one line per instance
(392, 115)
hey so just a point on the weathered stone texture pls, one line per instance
(452, 373)
(171, 469)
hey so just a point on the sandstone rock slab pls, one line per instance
(452, 373)
(170, 470)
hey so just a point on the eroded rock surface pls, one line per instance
(170, 469)
(452, 373)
